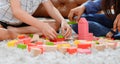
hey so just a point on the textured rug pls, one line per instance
(18, 56)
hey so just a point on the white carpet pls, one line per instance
(18, 56)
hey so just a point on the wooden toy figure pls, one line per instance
(83, 30)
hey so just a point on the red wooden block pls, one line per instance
(27, 40)
(84, 45)
(58, 40)
(21, 36)
(31, 45)
(39, 43)
(72, 50)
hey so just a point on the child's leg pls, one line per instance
(54, 25)
(12, 32)
(31, 30)
(5, 33)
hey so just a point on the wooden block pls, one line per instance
(22, 46)
(12, 43)
(63, 49)
(72, 50)
(84, 45)
(36, 51)
(35, 37)
(111, 45)
(100, 47)
(48, 48)
(118, 45)
(84, 51)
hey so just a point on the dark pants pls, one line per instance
(99, 24)
(5, 25)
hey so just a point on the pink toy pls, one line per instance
(83, 30)
(84, 51)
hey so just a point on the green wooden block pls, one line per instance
(60, 36)
(49, 43)
(22, 46)
(31, 35)
(72, 22)
(97, 42)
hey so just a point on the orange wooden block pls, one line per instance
(21, 36)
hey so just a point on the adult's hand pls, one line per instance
(116, 24)
(78, 11)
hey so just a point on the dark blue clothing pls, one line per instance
(99, 24)
(92, 7)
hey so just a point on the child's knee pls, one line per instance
(1, 26)
(4, 34)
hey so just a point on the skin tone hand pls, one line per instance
(48, 31)
(66, 29)
(78, 11)
(109, 35)
(116, 25)
(54, 13)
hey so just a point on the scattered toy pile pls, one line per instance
(38, 45)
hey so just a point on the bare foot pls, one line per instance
(7, 34)
(3, 34)
(13, 33)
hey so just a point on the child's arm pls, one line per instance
(54, 13)
(22, 15)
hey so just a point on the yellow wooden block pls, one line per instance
(76, 42)
(66, 45)
(11, 43)
(63, 45)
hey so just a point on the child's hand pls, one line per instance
(48, 31)
(66, 29)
